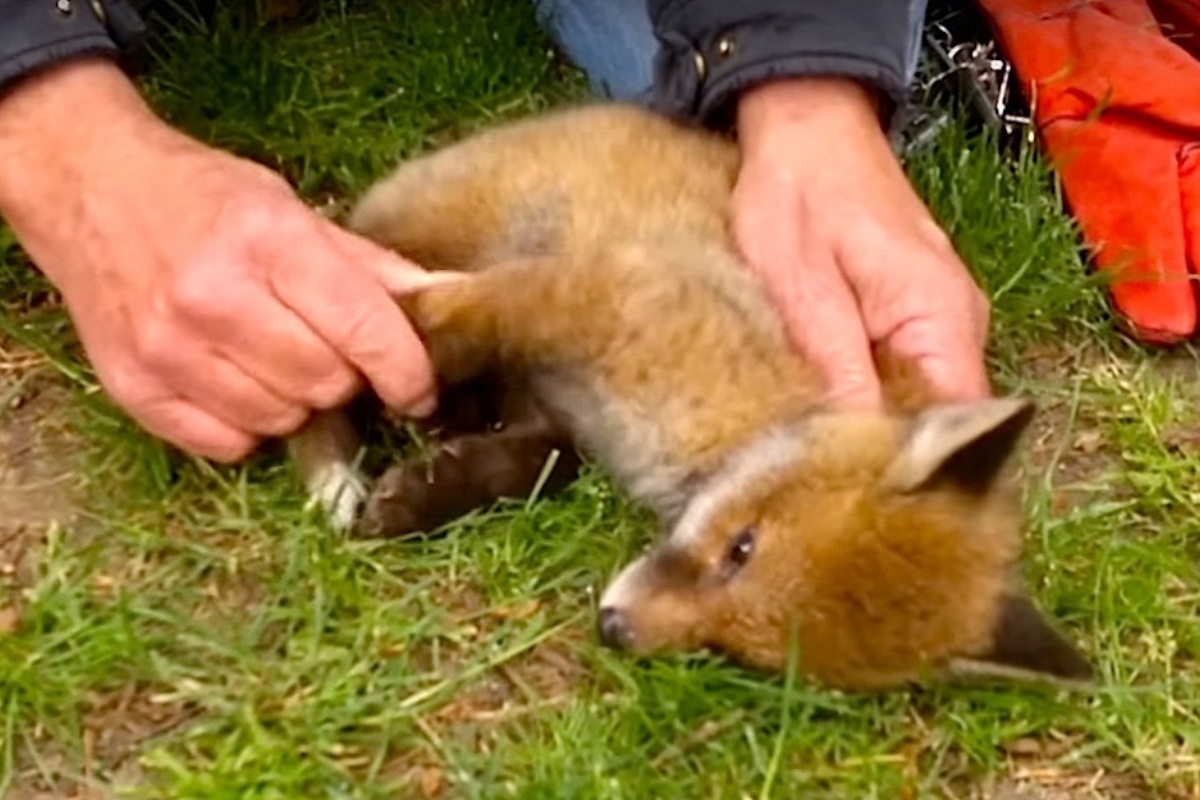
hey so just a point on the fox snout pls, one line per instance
(650, 607)
(615, 630)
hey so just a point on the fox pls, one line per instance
(596, 280)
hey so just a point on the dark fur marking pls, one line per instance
(976, 467)
(465, 473)
(1025, 640)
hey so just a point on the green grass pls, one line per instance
(198, 634)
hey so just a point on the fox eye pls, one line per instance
(740, 550)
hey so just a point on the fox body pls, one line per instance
(601, 277)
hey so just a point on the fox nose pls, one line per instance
(614, 629)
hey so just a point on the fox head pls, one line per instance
(873, 550)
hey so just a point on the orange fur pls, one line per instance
(603, 271)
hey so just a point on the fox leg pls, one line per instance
(472, 326)
(325, 451)
(506, 319)
(523, 453)
(469, 331)
(423, 492)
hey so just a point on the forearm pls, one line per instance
(713, 50)
(60, 128)
(60, 91)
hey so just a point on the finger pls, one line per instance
(820, 311)
(950, 358)
(223, 390)
(338, 296)
(263, 337)
(943, 336)
(194, 430)
(822, 317)
(284, 354)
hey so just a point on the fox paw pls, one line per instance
(403, 502)
(339, 491)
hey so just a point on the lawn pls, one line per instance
(168, 629)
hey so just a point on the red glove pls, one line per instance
(1117, 104)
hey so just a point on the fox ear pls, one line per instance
(1025, 647)
(966, 444)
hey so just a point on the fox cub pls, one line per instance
(603, 287)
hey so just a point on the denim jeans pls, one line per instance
(613, 42)
(610, 40)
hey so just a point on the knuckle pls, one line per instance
(360, 330)
(939, 241)
(978, 305)
(259, 222)
(334, 391)
(983, 307)
(126, 385)
(984, 324)
(368, 338)
(157, 345)
(201, 292)
(852, 379)
(283, 422)
(229, 451)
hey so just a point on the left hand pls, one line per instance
(824, 213)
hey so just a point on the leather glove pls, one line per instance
(1117, 105)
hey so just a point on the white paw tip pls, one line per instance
(340, 491)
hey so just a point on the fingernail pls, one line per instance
(425, 406)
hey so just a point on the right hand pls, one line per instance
(824, 213)
(216, 308)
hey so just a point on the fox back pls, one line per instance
(871, 549)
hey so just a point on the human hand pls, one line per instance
(215, 307)
(824, 213)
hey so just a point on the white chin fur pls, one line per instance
(339, 491)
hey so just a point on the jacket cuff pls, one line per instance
(712, 51)
(37, 34)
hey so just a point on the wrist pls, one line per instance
(834, 106)
(54, 121)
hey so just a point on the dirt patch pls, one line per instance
(1030, 777)
(40, 479)
(41, 486)
(116, 727)
(544, 677)
(39, 472)
(1053, 784)
(1067, 446)
(1043, 768)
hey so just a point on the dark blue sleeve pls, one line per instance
(35, 34)
(710, 50)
